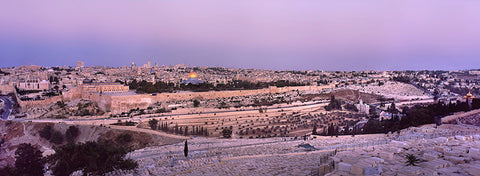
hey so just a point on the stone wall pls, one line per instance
(118, 104)
(125, 103)
(6, 89)
(39, 103)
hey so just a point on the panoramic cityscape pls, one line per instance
(240, 88)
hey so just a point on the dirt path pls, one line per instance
(160, 133)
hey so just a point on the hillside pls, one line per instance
(15, 133)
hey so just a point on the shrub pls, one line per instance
(227, 133)
(411, 160)
(57, 137)
(46, 132)
(196, 103)
(123, 138)
(28, 160)
(94, 158)
(153, 123)
(72, 133)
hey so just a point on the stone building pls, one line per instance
(192, 79)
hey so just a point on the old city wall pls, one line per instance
(6, 89)
(118, 104)
(125, 103)
(66, 96)
(39, 103)
(24, 105)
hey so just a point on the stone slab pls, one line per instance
(455, 160)
(344, 167)
(386, 155)
(440, 149)
(436, 164)
(357, 169)
(474, 153)
(474, 170)
(371, 171)
(431, 155)
(461, 138)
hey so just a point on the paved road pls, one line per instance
(7, 107)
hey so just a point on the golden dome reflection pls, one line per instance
(192, 75)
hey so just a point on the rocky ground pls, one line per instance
(15, 133)
(392, 89)
(448, 149)
(63, 110)
(454, 155)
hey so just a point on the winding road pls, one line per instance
(7, 108)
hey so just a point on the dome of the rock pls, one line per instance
(192, 75)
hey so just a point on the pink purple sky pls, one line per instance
(277, 34)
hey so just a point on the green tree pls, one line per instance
(334, 104)
(28, 160)
(8, 171)
(72, 133)
(124, 138)
(411, 160)
(227, 133)
(46, 132)
(153, 123)
(57, 137)
(94, 158)
(185, 149)
(392, 108)
(196, 103)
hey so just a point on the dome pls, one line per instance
(192, 75)
(469, 95)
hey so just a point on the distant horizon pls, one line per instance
(271, 34)
(153, 64)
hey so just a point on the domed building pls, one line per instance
(192, 75)
(469, 98)
(192, 79)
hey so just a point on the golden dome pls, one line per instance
(469, 95)
(192, 75)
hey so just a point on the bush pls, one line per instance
(411, 160)
(46, 132)
(153, 123)
(28, 160)
(123, 138)
(227, 133)
(57, 137)
(334, 104)
(196, 103)
(94, 158)
(61, 104)
(72, 133)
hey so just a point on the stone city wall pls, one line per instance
(125, 103)
(6, 89)
(36, 103)
(24, 105)
(119, 104)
